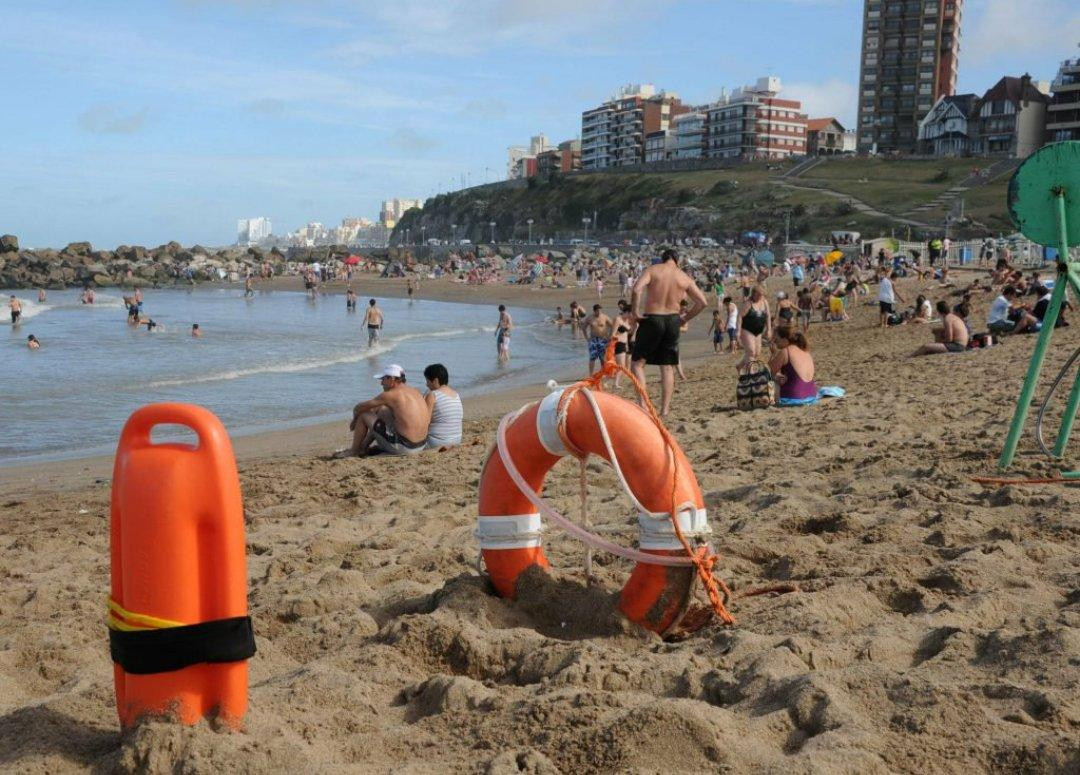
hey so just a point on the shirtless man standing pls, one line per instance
(16, 310)
(502, 334)
(952, 337)
(598, 329)
(395, 421)
(374, 320)
(656, 340)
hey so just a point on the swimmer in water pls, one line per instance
(32, 342)
(195, 330)
(41, 295)
(374, 320)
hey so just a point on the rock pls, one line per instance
(102, 280)
(78, 248)
(456, 694)
(9, 243)
(174, 247)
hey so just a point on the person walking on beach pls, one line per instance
(623, 324)
(887, 296)
(599, 327)
(16, 310)
(395, 421)
(502, 335)
(374, 320)
(655, 307)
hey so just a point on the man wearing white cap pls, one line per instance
(394, 422)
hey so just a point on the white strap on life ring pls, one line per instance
(591, 539)
(517, 531)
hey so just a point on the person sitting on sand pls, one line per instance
(792, 364)
(923, 312)
(952, 337)
(32, 342)
(395, 421)
(1007, 316)
(1039, 310)
(444, 429)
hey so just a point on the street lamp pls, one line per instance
(492, 225)
(530, 222)
(453, 232)
(585, 222)
(423, 235)
(407, 237)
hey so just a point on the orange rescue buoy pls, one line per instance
(179, 631)
(509, 523)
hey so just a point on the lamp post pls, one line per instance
(492, 225)
(530, 222)
(585, 222)
(423, 235)
(407, 237)
(453, 233)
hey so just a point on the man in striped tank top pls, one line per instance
(444, 430)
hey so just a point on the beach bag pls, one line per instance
(755, 388)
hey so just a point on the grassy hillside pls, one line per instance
(720, 203)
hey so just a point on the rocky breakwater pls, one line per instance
(78, 264)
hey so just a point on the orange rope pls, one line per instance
(704, 561)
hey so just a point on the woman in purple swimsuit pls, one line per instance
(792, 364)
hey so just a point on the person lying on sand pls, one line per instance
(952, 337)
(395, 421)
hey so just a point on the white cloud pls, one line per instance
(1008, 27)
(834, 98)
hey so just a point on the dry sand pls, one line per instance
(937, 628)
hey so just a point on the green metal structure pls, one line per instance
(1044, 202)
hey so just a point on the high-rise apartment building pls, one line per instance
(1063, 113)
(754, 123)
(909, 60)
(393, 209)
(613, 134)
(252, 231)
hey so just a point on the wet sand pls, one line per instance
(937, 626)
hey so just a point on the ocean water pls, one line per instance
(278, 359)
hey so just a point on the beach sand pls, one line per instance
(937, 626)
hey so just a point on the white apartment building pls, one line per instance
(690, 135)
(393, 209)
(613, 134)
(753, 122)
(252, 231)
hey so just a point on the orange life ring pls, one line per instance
(179, 576)
(509, 523)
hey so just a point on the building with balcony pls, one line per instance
(252, 231)
(908, 62)
(1063, 112)
(944, 130)
(660, 145)
(824, 137)
(565, 158)
(690, 135)
(522, 161)
(613, 134)
(393, 209)
(754, 123)
(1010, 119)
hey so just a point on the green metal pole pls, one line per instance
(1074, 395)
(1041, 345)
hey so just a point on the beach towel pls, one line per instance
(826, 392)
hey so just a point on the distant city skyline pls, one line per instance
(175, 119)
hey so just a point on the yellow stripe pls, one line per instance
(136, 621)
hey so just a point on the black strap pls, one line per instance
(141, 652)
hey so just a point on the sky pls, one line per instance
(143, 121)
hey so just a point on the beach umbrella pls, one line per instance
(832, 257)
(352, 260)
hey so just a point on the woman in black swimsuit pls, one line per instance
(755, 321)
